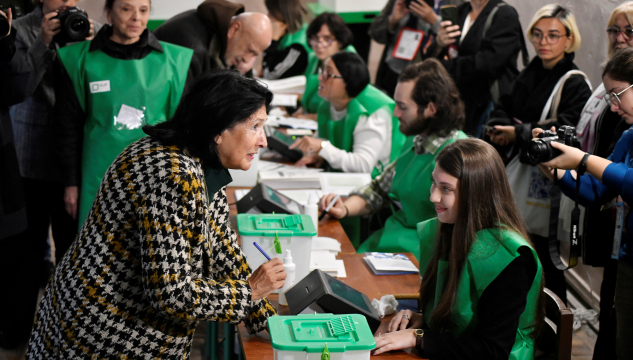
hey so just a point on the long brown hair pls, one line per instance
(484, 201)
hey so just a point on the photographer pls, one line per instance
(606, 180)
(28, 81)
(387, 27)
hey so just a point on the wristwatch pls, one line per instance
(419, 336)
(582, 167)
(324, 143)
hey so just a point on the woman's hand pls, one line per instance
(310, 147)
(502, 134)
(9, 17)
(568, 160)
(91, 34)
(269, 277)
(50, 28)
(397, 13)
(447, 34)
(337, 211)
(423, 11)
(300, 115)
(403, 339)
(71, 194)
(406, 319)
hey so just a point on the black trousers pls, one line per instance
(605, 343)
(22, 258)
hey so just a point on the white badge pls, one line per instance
(129, 118)
(99, 86)
(408, 43)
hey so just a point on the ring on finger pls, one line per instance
(406, 316)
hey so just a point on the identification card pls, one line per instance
(99, 86)
(409, 41)
(619, 225)
(129, 118)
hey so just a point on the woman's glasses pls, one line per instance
(327, 76)
(613, 32)
(614, 98)
(323, 41)
(551, 39)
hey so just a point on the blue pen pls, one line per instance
(261, 250)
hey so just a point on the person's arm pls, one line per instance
(229, 264)
(498, 311)
(382, 28)
(291, 61)
(370, 137)
(167, 245)
(498, 49)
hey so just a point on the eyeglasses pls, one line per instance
(614, 98)
(327, 75)
(551, 39)
(614, 31)
(323, 41)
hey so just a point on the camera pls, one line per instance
(74, 25)
(540, 150)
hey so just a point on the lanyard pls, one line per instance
(574, 233)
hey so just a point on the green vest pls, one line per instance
(341, 133)
(490, 254)
(311, 99)
(298, 37)
(411, 187)
(152, 85)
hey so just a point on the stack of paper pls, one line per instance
(322, 243)
(291, 122)
(291, 85)
(389, 264)
(326, 261)
(291, 179)
(343, 183)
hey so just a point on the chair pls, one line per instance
(554, 340)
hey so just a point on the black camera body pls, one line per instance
(540, 150)
(75, 25)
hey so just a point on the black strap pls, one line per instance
(574, 233)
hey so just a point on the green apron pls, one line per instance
(491, 253)
(411, 187)
(152, 85)
(298, 37)
(311, 99)
(341, 133)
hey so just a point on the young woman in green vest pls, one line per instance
(112, 86)
(481, 290)
(327, 35)
(356, 129)
(430, 113)
(289, 54)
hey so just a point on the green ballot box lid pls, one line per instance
(270, 224)
(311, 333)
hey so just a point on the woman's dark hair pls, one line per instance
(476, 165)
(337, 27)
(291, 12)
(434, 84)
(353, 70)
(110, 3)
(217, 101)
(620, 67)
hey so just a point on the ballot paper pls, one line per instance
(343, 183)
(326, 261)
(322, 243)
(288, 100)
(390, 264)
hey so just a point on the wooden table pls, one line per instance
(359, 276)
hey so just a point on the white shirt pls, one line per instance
(372, 142)
(467, 25)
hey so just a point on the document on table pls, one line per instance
(288, 100)
(343, 183)
(326, 261)
(294, 84)
(291, 179)
(291, 122)
(390, 264)
(322, 243)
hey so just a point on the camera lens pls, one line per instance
(77, 27)
(538, 151)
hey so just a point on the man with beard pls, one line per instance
(431, 113)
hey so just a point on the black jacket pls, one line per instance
(529, 95)
(481, 61)
(204, 31)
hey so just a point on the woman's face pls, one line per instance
(129, 19)
(444, 195)
(238, 146)
(624, 107)
(620, 41)
(324, 43)
(331, 84)
(550, 39)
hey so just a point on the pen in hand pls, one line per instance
(261, 250)
(329, 207)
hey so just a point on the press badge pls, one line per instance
(129, 118)
(409, 41)
(619, 225)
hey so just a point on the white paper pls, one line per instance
(326, 244)
(341, 273)
(343, 183)
(391, 264)
(324, 261)
(291, 122)
(302, 195)
(284, 100)
(129, 117)
(291, 84)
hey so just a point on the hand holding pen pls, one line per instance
(266, 278)
(337, 210)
